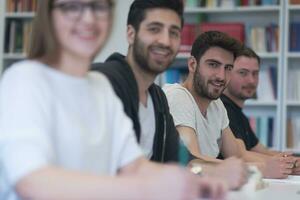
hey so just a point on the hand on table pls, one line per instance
(279, 166)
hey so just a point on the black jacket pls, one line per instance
(165, 146)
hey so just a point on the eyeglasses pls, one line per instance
(74, 9)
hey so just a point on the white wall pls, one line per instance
(117, 40)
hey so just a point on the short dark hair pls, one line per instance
(210, 39)
(138, 10)
(249, 53)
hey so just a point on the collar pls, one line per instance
(226, 100)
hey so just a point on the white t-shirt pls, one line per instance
(147, 120)
(51, 118)
(186, 112)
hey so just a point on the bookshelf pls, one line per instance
(291, 95)
(16, 21)
(250, 16)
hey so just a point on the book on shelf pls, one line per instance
(229, 3)
(188, 35)
(267, 86)
(258, 2)
(293, 132)
(295, 36)
(263, 38)
(17, 35)
(293, 2)
(235, 30)
(192, 3)
(263, 127)
(21, 5)
(260, 38)
(293, 87)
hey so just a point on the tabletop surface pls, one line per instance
(274, 189)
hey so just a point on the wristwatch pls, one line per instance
(196, 169)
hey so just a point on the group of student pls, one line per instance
(70, 129)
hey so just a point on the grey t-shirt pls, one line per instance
(185, 112)
(147, 120)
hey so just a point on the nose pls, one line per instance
(87, 15)
(221, 74)
(164, 38)
(252, 79)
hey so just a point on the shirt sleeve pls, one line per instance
(24, 146)
(125, 147)
(181, 108)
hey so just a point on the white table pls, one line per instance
(276, 189)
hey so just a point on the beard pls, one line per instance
(201, 87)
(241, 95)
(142, 58)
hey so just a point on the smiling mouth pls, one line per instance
(159, 51)
(218, 85)
(86, 35)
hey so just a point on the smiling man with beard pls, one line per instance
(242, 86)
(153, 33)
(199, 115)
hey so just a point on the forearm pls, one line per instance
(202, 159)
(207, 166)
(259, 148)
(250, 156)
(54, 183)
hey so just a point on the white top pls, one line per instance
(185, 112)
(51, 118)
(147, 120)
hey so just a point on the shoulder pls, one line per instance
(25, 67)
(112, 69)
(176, 91)
(99, 80)
(156, 90)
(27, 71)
(119, 74)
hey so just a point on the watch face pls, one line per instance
(196, 170)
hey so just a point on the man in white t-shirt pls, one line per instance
(199, 115)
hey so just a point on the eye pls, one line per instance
(154, 29)
(175, 34)
(243, 73)
(213, 64)
(100, 7)
(255, 74)
(70, 7)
